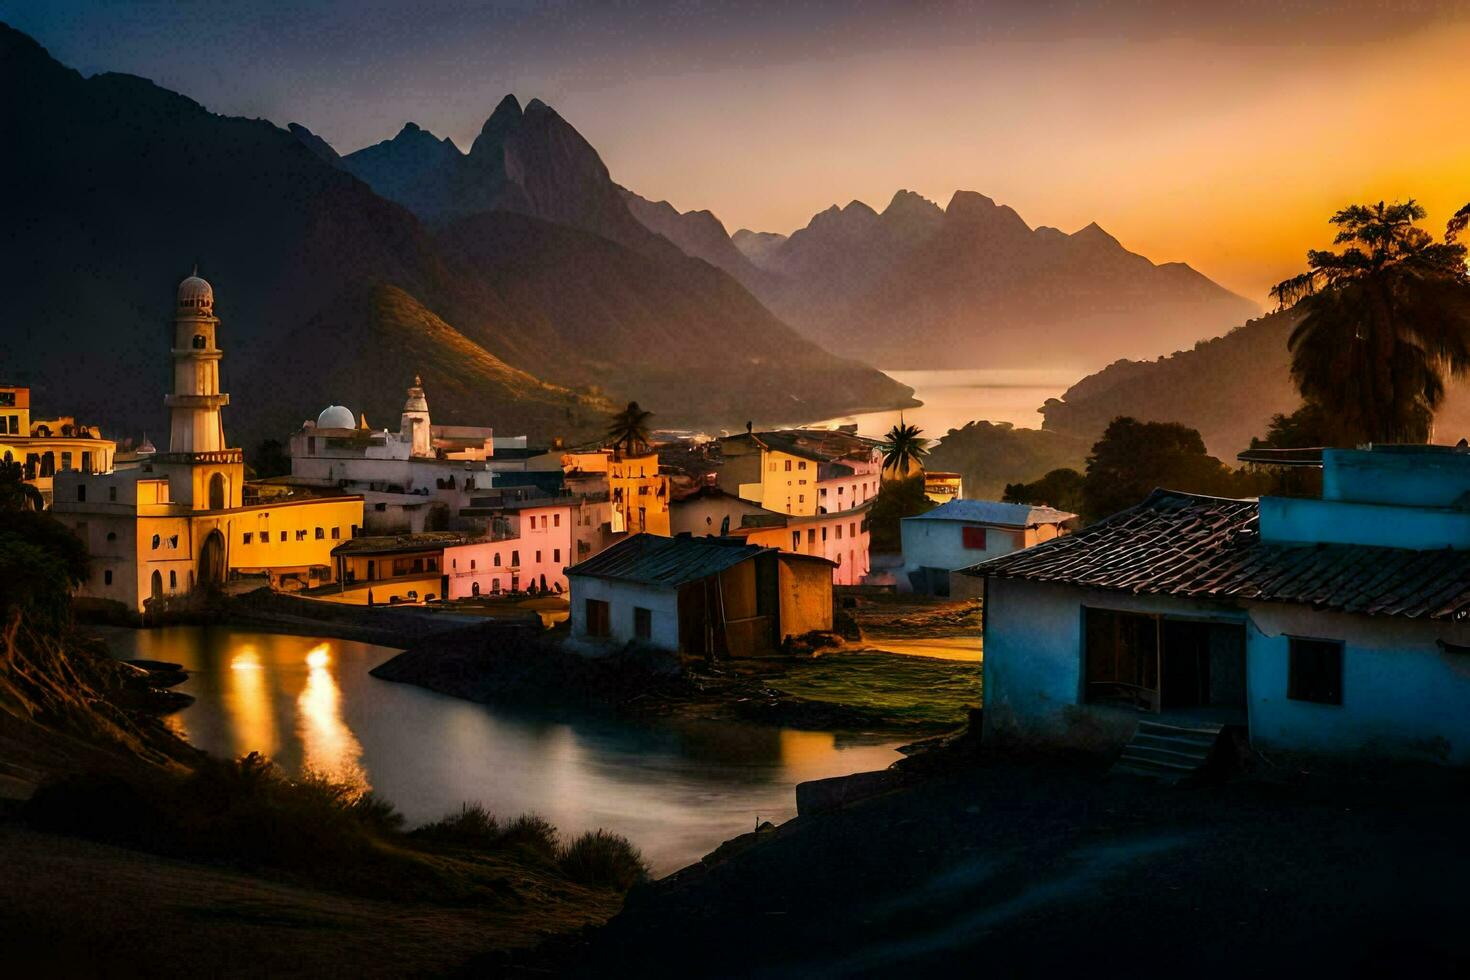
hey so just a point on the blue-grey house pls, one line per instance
(1331, 625)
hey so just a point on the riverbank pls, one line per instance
(852, 690)
(1039, 865)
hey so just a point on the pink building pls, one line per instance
(533, 543)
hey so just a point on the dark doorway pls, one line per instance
(217, 492)
(212, 560)
(1159, 664)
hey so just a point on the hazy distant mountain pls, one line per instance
(329, 292)
(1228, 388)
(702, 235)
(758, 246)
(974, 285)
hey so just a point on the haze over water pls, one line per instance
(953, 398)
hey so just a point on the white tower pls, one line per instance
(414, 421)
(194, 406)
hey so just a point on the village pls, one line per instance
(575, 585)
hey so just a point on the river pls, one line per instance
(954, 397)
(675, 790)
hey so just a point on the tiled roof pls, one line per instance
(387, 544)
(994, 512)
(1209, 548)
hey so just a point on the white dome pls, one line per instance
(336, 417)
(196, 294)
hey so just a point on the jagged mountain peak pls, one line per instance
(315, 143)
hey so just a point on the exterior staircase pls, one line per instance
(1168, 753)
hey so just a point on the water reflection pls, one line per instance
(249, 704)
(328, 746)
(676, 789)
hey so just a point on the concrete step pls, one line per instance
(1168, 753)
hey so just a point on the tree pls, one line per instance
(1133, 458)
(628, 429)
(904, 451)
(1457, 224)
(41, 561)
(1061, 488)
(896, 500)
(1387, 318)
(15, 492)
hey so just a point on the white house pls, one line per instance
(711, 596)
(1332, 625)
(962, 533)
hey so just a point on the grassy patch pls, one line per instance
(603, 860)
(913, 690)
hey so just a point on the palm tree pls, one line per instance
(904, 450)
(1386, 320)
(628, 429)
(1457, 224)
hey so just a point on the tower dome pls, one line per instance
(416, 401)
(336, 417)
(196, 295)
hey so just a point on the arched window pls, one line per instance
(156, 541)
(474, 588)
(217, 492)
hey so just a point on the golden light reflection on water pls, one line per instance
(248, 701)
(328, 746)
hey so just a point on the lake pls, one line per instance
(954, 397)
(677, 790)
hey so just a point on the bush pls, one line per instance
(473, 826)
(603, 860)
(532, 835)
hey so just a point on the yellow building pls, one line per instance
(176, 521)
(942, 487)
(636, 487)
(801, 472)
(45, 447)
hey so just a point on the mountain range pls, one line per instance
(967, 285)
(514, 277)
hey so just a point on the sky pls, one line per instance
(1219, 134)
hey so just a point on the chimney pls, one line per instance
(749, 427)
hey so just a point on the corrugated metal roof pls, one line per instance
(1209, 548)
(994, 512)
(670, 562)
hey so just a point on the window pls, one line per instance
(199, 341)
(156, 541)
(497, 559)
(107, 577)
(556, 520)
(86, 461)
(973, 538)
(556, 555)
(852, 529)
(301, 534)
(247, 537)
(839, 491)
(811, 535)
(336, 533)
(515, 558)
(283, 535)
(824, 534)
(839, 532)
(801, 498)
(320, 534)
(472, 564)
(788, 466)
(801, 465)
(795, 540)
(642, 623)
(173, 580)
(599, 622)
(538, 557)
(173, 541)
(81, 491)
(1315, 671)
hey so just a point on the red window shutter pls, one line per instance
(973, 537)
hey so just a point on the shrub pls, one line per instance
(532, 835)
(472, 826)
(603, 860)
